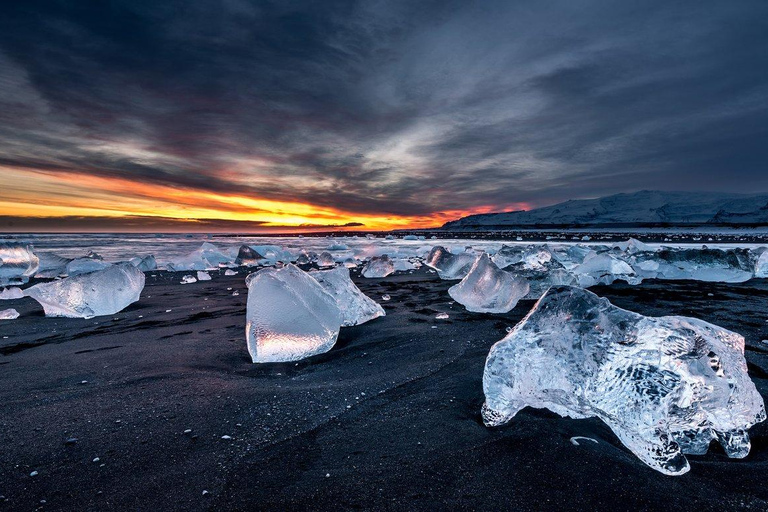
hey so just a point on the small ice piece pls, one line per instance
(18, 263)
(575, 440)
(378, 266)
(246, 256)
(230, 272)
(11, 293)
(488, 289)
(145, 264)
(666, 386)
(104, 292)
(337, 247)
(386, 297)
(441, 316)
(350, 263)
(203, 276)
(9, 314)
(188, 280)
(450, 266)
(356, 307)
(410, 237)
(289, 316)
(325, 259)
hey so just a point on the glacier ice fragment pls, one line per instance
(450, 266)
(666, 386)
(356, 307)
(488, 289)
(378, 266)
(289, 316)
(104, 292)
(18, 263)
(9, 314)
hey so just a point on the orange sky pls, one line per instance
(34, 194)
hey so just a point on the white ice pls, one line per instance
(18, 262)
(9, 314)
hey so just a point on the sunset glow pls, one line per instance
(32, 193)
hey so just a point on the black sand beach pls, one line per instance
(387, 420)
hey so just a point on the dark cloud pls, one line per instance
(403, 108)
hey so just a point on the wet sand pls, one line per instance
(387, 420)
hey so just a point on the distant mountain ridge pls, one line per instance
(647, 208)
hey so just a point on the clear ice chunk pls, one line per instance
(104, 292)
(604, 268)
(9, 314)
(18, 263)
(325, 259)
(378, 266)
(203, 276)
(289, 316)
(145, 264)
(714, 265)
(51, 265)
(207, 257)
(246, 256)
(488, 289)
(356, 307)
(450, 266)
(666, 386)
(85, 265)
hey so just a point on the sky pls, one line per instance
(243, 115)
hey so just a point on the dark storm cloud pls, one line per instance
(391, 107)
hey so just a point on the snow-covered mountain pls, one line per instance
(645, 208)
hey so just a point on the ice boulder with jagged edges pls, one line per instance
(356, 307)
(666, 386)
(11, 293)
(450, 266)
(378, 266)
(207, 257)
(18, 263)
(488, 289)
(104, 292)
(52, 265)
(289, 316)
(90, 263)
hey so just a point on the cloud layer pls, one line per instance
(390, 110)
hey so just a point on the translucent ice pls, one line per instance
(356, 307)
(289, 316)
(9, 314)
(145, 264)
(761, 262)
(85, 265)
(325, 259)
(52, 265)
(207, 257)
(487, 289)
(604, 268)
(18, 263)
(378, 267)
(248, 257)
(731, 266)
(450, 266)
(666, 386)
(104, 292)
(188, 280)
(203, 276)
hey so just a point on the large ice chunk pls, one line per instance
(90, 263)
(207, 257)
(289, 316)
(104, 292)
(450, 266)
(145, 264)
(378, 267)
(18, 263)
(488, 289)
(356, 307)
(52, 265)
(666, 386)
